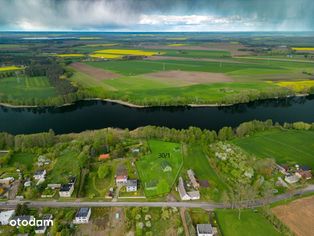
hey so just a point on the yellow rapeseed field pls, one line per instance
(106, 56)
(126, 52)
(176, 44)
(10, 68)
(70, 55)
(298, 86)
(303, 49)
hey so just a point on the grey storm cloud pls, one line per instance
(156, 15)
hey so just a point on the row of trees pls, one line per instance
(101, 140)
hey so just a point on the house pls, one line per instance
(282, 169)
(121, 179)
(66, 190)
(194, 195)
(291, 179)
(204, 230)
(6, 181)
(165, 166)
(131, 185)
(191, 175)
(5, 217)
(54, 186)
(104, 156)
(39, 174)
(82, 216)
(182, 192)
(47, 220)
(304, 174)
(42, 160)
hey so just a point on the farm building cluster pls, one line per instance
(293, 174)
(189, 190)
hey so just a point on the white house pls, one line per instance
(40, 174)
(121, 179)
(204, 230)
(182, 192)
(5, 217)
(82, 216)
(6, 181)
(194, 195)
(131, 185)
(291, 179)
(66, 190)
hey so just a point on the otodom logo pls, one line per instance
(30, 221)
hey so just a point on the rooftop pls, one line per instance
(83, 212)
(204, 228)
(65, 187)
(131, 182)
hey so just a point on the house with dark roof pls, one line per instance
(47, 221)
(82, 216)
(66, 190)
(204, 230)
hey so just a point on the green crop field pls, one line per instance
(137, 67)
(198, 162)
(154, 178)
(250, 223)
(196, 53)
(291, 146)
(25, 88)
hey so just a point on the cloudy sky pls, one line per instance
(157, 15)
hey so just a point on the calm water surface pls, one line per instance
(87, 115)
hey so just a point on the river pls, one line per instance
(88, 115)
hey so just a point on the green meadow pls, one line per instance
(285, 146)
(26, 88)
(250, 223)
(154, 178)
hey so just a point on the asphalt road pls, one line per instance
(186, 204)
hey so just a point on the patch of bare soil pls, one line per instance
(298, 216)
(94, 72)
(185, 78)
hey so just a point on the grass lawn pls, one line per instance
(26, 88)
(197, 161)
(67, 164)
(250, 223)
(21, 160)
(154, 179)
(290, 146)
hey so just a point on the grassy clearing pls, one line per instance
(10, 68)
(67, 164)
(26, 88)
(250, 223)
(198, 162)
(22, 160)
(290, 146)
(154, 179)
